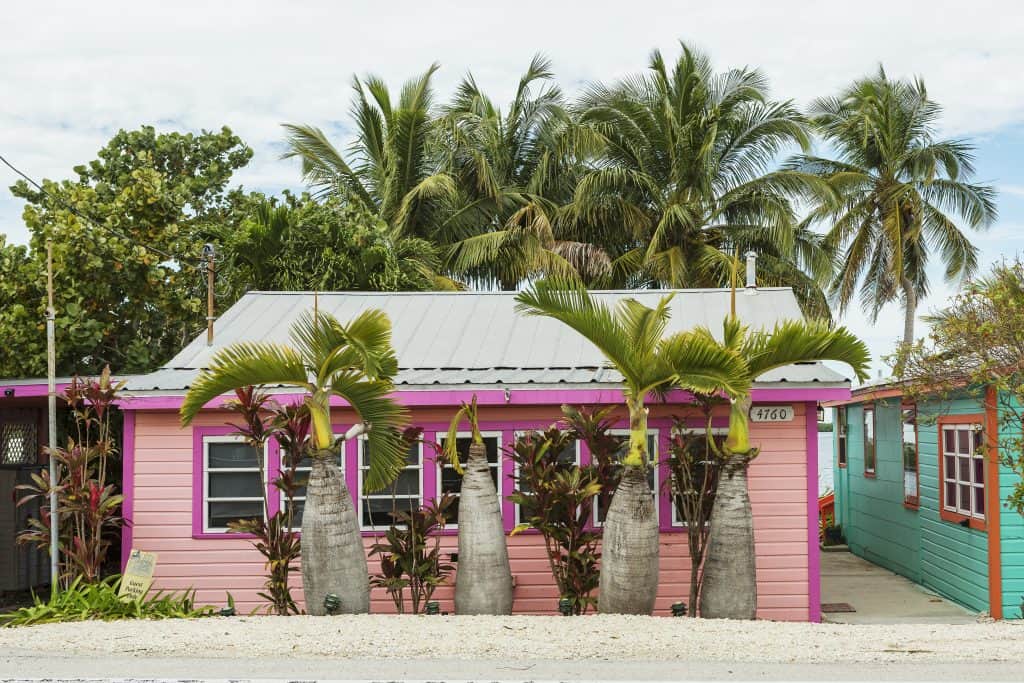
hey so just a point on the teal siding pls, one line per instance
(954, 560)
(1011, 526)
(878, 527)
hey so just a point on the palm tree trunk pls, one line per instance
(483, 584)
(333, 558)
(729, 588)
(910, 310)
(629, 549)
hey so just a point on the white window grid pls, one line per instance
(715, 431)
(228, 438)
(652, 474)
(404, 498)
(908, 417)
(520, 433)
(968, 491)
(868, 421)
(441, 438)
(302, 470)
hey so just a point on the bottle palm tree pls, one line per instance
(683, 180)
(513, 169)
(729, 579)
(484, 581)
(898, 190)
(631, 338)
(357, 363)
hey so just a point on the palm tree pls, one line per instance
(898, 190)
(631, 338)
(683, 180)
(484, 581)
(389, 169)
(513, 170)
(729, 578)
(355, 362)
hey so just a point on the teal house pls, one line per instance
(919, 491)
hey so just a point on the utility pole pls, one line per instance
(51, 381)
(208, 252)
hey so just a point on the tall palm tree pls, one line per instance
(730, 579)
(631, 338)
(484, 582)
(389, 167)
(684, 179)
(357, 363)
(899, 191)
(513, 169)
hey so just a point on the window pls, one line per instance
(232, 488)
(18, 444)
(451, 481)
(718, 434)
(910, 490)
(652, 473)
(841, 435)
(569, 456)
(404, 494)
(869, 440)
(963, 470)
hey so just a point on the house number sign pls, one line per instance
(771, 414)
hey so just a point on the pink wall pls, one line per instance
(162, 514)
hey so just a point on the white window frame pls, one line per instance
(976, 488)
(282, 500)
(363, 526)
(656, 466)
(516, 436)
(206, 500)
(441, 437)
(715, 431)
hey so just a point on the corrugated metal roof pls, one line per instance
(444, 338)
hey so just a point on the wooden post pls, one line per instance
(51, 400)
(209, 252)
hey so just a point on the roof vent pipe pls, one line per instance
(751, 272)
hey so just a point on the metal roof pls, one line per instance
(457, 338)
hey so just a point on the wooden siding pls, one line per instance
(162, 515)
(1012, 540)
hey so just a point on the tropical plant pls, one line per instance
(631, 338)
(897, 193)
(729, 588)
(484, 581)
(84, 601)
(683, 180)
(410, 555)
(554, 496)
(88, 503)
(355, 362)
(593, 427)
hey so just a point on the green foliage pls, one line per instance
(147, 190)
(82, 601)
(410, 555)
(555, 496)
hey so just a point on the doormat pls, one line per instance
(837, 607)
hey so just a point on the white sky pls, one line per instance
(73, 73)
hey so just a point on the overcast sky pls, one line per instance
(73, 73)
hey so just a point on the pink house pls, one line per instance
(183, 484)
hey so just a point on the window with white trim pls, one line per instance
(652, 472)
(869, 440)
(569, 456)
(450, 481)
(963, 470)
(376, 510)
(910, 483)
(841, 435)
(718, 434)
(232, 487)
(303, 469)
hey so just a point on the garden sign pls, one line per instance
(138, 575)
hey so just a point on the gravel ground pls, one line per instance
(599, 637)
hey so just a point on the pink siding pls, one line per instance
(162, 512)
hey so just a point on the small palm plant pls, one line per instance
(484, 581)
(631, 337)
(356, 363)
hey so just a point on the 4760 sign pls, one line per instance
(771, 413)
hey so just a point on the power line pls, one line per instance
(117, 233)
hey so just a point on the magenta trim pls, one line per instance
(127, 486)
(29, 390)
(517, 397)
(813, 559)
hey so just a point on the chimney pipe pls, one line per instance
(751, 272)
